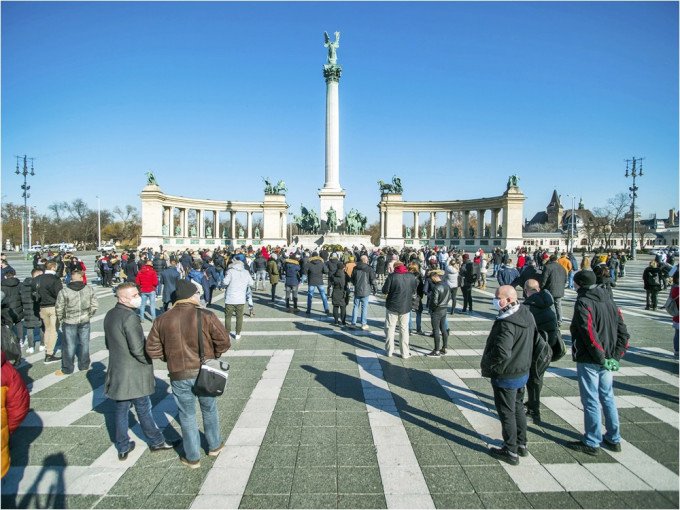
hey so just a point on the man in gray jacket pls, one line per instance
(129, 378)
(75, 306)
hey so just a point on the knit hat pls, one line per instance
(466, 256)
(584, 278)
(184, 289)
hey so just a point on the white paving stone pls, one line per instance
(226, 481)
(232, 456)
(574, 477)
(532, 477)
(415, 501)
(216, 501)
(616, 477)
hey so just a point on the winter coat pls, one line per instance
(509, 346)
(159, 265)
(439, 297)
(130, 372)
(260, 263)
(131, 271)
(147, 279)
(48, 286)
(15, 405)
(211, 274)
(169, 279)
(606, 283)
(529, 272)
(315, 268)
(200, 280)
(381, 266)
(507, 275)
(293, 272)
(332, 266)
(339, 281)
(597, 328)
(651, 278)
(237, 280)
(467, 273)
(452, 276)
(273, 270)
(76, 304)
(12, 289)
(364, 280)
(540, 305)
(554, 279)
(174, 339)
(399, 288)
(30, 307)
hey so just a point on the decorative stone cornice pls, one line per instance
(332, 72)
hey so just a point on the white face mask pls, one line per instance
(136, 302)
(497, 304)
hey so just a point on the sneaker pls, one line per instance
(30, 350)
(288, 308)
(614, 447)
(41, 348)
(216, 451)
(60, 372)
(237, 337)
(165, 445)
(296, 310)
(522, 451)
(124, 455)
(252, 313)
(195, 464)
(308, 312)
(365, 328)
(51, 358)
(505, 455)
(579, 446)
(535, 416)
(433, 354)
(443, 351)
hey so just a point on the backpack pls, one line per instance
(11, 346)
(671, 306)
(542, 354)
(653, 278)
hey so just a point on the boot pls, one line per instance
(252, 312)
(295, 307)
(288, 305)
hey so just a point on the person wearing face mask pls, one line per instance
(506, 361)
(129, 377)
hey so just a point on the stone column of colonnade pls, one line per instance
(249, 233)
(416, 234)
(448, 224)
(480, 222)
(432, 224)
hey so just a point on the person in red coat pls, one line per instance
(15, 404)
(147, 279)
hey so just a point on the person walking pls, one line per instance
(506, 361)
(315, 269)
(599, 339)
(237, 281)
(11, 286)
(260, 270)
(273, 271)
(174, 338)
(398, 289)
(651, 279)
(452, 276)
(129, 377)
(169, 279)
(147, 279)
(76, 304)
(364, 282)
(45, 288)
(437, 303)
(554, 278)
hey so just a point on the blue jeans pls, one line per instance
(570, 276)
(76, 339)
(419, 319)
(37, 335)
(612, 273)
(496, 268)
(186, 405)
(149, 427)
(151, 296)
(310, 295)
(364, 309)
(596, 385)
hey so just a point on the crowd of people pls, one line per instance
(411, 281)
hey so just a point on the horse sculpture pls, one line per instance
(280, 188)
(307, 222)
(395, 187)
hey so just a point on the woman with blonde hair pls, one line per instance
(452, 275)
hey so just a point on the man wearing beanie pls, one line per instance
(599, 339)
(398, 289)
(174, 338)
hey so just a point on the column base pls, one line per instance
(332, 198)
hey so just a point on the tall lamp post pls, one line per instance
(99, 222)
(572, 220)
(25, 194)
(633, 194)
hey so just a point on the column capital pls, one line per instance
(332, 72)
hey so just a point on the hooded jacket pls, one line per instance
(597, 329)
(540, 305)
(510, 344)
(363, 279)
(315, 268)
(554, 278)
(237, 280)
(12, 289)
(76, 303)
(147, 279)
(507, 275)
(293, 272)
(30, 307)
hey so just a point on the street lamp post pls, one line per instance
(25, 194)
(633, 194)
(572, 219)
(99, 222)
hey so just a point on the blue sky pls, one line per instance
(451, 97)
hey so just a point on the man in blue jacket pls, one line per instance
(293, 274)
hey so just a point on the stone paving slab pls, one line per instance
(316, 416)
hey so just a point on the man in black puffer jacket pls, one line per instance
(437, 303)
(159, 265)
(364, 282)
(11, 287)
(507, 361)
(554, 278)
(599, 339)
(32, 322)
(315, 269)
(540, 304)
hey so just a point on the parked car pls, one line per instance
(34, 248)
(106, 247)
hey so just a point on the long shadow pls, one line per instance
(55, 498)
(341, 335)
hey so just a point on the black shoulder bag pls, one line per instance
(211, 380)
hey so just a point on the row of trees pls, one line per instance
(72, 222)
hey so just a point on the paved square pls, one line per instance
(317, 417)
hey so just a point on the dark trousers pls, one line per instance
(651, 297)
(467, 298)
(274, 291)
(343, 313)
(510, 408)
(106, 277)
(534, 386)
(438, 319)
(454, 291)
(149, 427)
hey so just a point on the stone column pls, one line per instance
(232, 219)
(171, 222)
(480, 222)
(466, 225)
(448, 224)
(494, 223)
(416, 234)
(382, 224)
(433, 225)
(200, 223)
(249, 231)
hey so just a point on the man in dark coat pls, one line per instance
(169, 277)
(507, 361)
(554, 278)
(293, 274)
(468, 278)
(528, 272)
(315, 269)
(32, 322)
(11, 286)
(159, 265)
(599, 339)
(398, 288)
(364, 282)
(540, 304)
(47, 286)
(129, 377)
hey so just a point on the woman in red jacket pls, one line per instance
(147, 279)
(15, 403)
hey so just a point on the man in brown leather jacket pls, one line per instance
(174, 339)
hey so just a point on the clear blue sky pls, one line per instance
(451, 97)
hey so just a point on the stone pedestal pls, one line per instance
(346, 241)
(332, 198)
